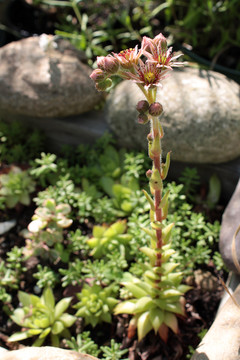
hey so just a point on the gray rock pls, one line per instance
(44, 353)
(45, 78)
(201, 116)
(5, 226)
(222, 340)
(230, 223)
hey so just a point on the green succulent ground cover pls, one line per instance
(84, 228)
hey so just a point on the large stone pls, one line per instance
(223, 338)
(45, 78)
(44, 353)
(230, 224)
(201, 116)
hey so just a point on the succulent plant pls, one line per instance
(16, 187)
(46, 229)
(107, 238)
(96, 304)
(40, 316)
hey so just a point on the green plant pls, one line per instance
(158, 297)
(44, 168)
(72, 275)
(113, 352)
(18, 144)
(105, 239)
(190, 180)
(96, 304)
(42, 317)
(83, 344)
(63, 192)
(45, 232)
(109, 270)
(16, 187)
(77, 243)
(46, 277)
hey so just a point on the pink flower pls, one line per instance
(129, 57)
(157, 52)
(148, 74)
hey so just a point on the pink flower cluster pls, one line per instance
(146, 66)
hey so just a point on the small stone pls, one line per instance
(6, 226)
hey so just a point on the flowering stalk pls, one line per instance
(157, 298)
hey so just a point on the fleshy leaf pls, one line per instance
(156, 317)
(171, 321)
(19, 336)
(143, 304)
(125, 307)
(144, 325)
(61, 306)
(48, 298)
(57, 327)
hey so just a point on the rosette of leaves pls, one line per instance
(40, 316)
(157, 298)
(96, 304)
(46, 229)
(108, 238)
(16, 187)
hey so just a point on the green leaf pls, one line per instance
(61, 306)
(67, 319)
(125, 307)
(137, 291)
(107, 185)
(42, 323)
(150, 200)
(144, 304)
(24, 298)
(57, 327)
(48, 298)
(19, 336)
(98, 231)
(150, 253)
(144, 325)
(169, 293)
(18, 316)
(45, 333)
(156, 317)
(171, 321)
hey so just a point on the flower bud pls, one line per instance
(103, 85)
(150, 137)
(97, 75)
(109, 64)
(155, 109)
(149, 173)
(143, 119)
(142, 106)
(161, 41)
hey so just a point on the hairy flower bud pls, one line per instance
(109, 64)
(98, 75)
(149, 173)
(103, 85)
(143, 119)
(155, 109)
(142, 106)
